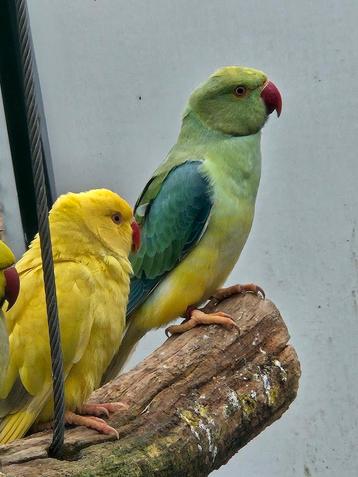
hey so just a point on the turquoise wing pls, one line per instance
(173, 220)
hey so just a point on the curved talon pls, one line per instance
(92, 422)
(102, 409)
(88, 409)
(223, 293)
(168, 331)
(88, 416)
(97, 419)
(259, 291)
(198, 317)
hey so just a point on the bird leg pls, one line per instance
(222, 293)
(89, 416)
(92, 422)
(198, 317)
(102, 409)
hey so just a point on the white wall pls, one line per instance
(96, 58)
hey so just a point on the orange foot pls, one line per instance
(92, 422)
(102, 409)
(88, 416)
(223, 293)
(198, 317)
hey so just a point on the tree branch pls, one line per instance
(193, 403)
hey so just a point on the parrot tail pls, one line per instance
(127, 347)
(14, 426)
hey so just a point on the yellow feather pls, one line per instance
(16, 425)
(7, 259)
(92, 273)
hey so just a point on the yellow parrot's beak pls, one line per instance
(12, 286)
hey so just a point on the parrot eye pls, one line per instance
(117, 218)
(240, 91)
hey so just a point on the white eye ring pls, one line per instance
(116, 218)
(240, 91)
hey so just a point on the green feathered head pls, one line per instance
(235, 100)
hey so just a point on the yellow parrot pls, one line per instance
(92, 234)
(9, 290)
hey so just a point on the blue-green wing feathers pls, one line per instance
(173, 216)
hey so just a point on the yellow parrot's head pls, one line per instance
(98, 215)
(9, 279)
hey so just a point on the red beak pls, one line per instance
(12, 286)
(135, 236)
(272, 98)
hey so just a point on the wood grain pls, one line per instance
(193, 403)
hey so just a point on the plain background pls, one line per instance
(115, 77)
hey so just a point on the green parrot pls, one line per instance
(196, 211)
(9, 290)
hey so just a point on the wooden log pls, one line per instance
(193, 403)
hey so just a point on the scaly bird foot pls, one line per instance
(223, 293)
(198, 317)
(102, 409)
(92, 422)
(92, 412)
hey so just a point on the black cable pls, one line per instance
(34, 131)
(15, 114)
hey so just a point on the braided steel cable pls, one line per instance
(34, 132)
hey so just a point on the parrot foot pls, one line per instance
(198, 317)
(92, 422)
(102, 409)
(223, 293)
(89, 417)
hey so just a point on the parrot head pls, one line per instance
(100, 214)
(9, 278)
(236, 101)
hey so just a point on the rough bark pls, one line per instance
(193, 403)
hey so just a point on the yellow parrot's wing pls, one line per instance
(28, 384)
(4, 347)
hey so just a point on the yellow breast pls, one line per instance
(107, 308)
(205, 268)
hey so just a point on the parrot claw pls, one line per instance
(89, 416)
(102, 409)
(92, 422)
(223, 293)
(198, 317)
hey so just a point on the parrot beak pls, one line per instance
(12, 286)
(272, 98)
(135, 236)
